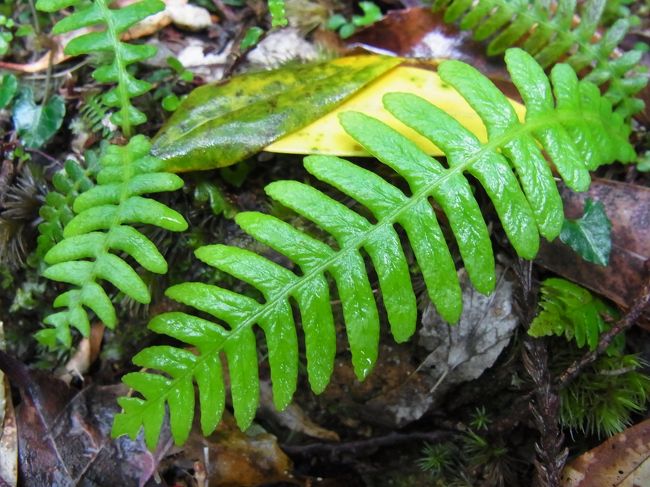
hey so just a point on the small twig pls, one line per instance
(32, 7)
(41, 153)
(363, 447)
(634, 313)
(58, 74)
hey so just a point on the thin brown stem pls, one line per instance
(363, 447)
(639, 305)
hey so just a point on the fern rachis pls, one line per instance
(580, 112)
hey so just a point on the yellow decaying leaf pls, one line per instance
(326, 136)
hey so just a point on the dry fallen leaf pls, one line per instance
(458, 353)
(8, 437)
(409, 380)
(621, 461)
(64, 434)
(86, 354)
(420, 33)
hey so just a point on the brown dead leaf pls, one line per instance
(419, 33)
(64, 434)
(231, 458)
(56, 54)
(86, 354)
(621, 461)
(628, 207)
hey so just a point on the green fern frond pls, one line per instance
(107, 41)
(100, 229)
(547, 33)
(94, 113)
(571, 311)
(57, 211)
(577, 130)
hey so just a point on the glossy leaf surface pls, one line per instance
(591, 235)
(511, 144)
(219, 125)
(326, 136)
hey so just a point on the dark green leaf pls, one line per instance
(219, 125)
(590, 236)
(7, 89)
(36, 124)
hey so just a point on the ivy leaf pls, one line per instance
(36, 124)
(591, 235)
(221, 124)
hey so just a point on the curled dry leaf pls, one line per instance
(86, 354)
(8, 437)
(621, 461)
(626, 273)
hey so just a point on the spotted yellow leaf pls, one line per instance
(326, 136)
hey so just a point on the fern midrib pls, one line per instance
(557, 117)
(125, 99)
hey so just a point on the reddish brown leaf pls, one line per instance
(64, 434)
(419, 33)
(628, 207)
(621, 461)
